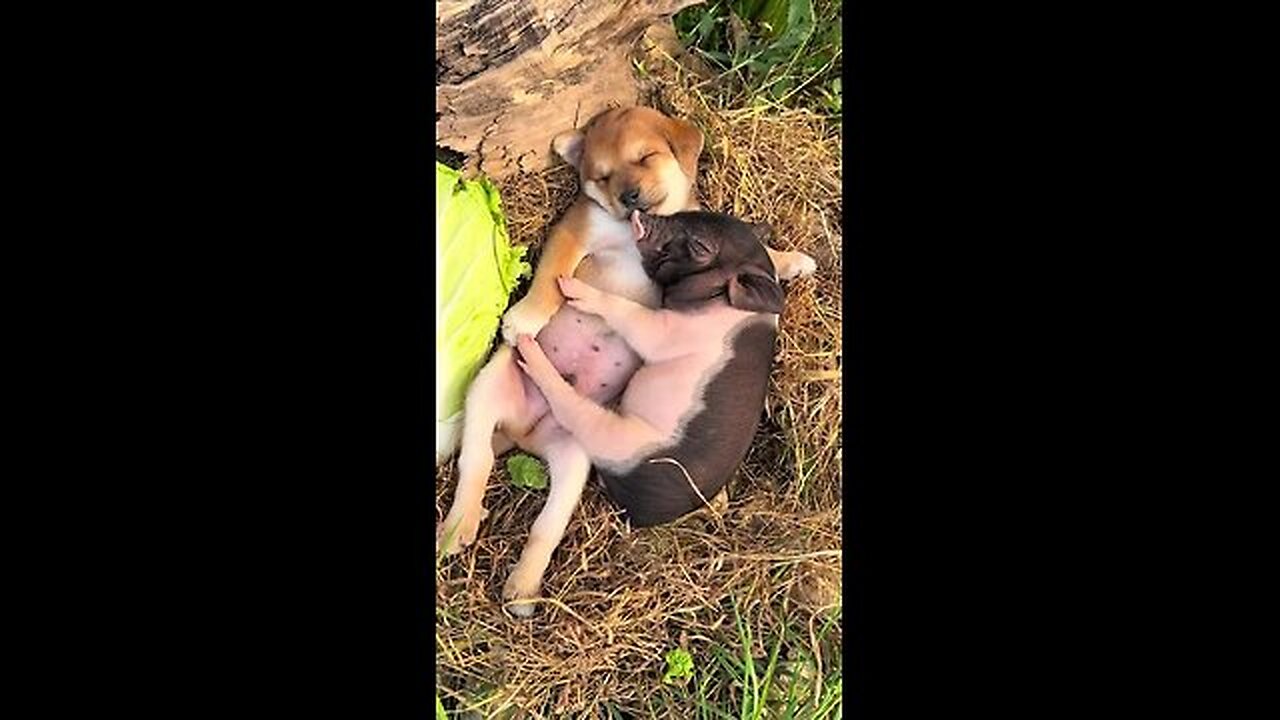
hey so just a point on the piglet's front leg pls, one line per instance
(651, 333)
(604, 435)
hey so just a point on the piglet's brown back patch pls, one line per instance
(715, 442)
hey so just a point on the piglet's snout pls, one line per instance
(644, 228)
(637, 226)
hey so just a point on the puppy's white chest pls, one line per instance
(605, 231)
(613, 263)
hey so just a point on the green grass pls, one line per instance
(733, 682)
(786, 683)
(778, 53)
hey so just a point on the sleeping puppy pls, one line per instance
(687, 418)
(627, 159)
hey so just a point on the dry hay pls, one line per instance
(616, 599)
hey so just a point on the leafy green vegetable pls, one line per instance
(679, 666)
(476, 270)
(526, 472)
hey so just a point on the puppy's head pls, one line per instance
(697, 256)
(634, 159)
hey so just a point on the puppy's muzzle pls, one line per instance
(630, 199)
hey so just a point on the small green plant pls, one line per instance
(679, 666)
(526, 472)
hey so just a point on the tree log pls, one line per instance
(511, 74)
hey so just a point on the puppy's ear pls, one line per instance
(568, 145)
(685, 140)
(756, 293)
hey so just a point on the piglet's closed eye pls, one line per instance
(756, 293)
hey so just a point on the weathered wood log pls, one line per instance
(510, 74)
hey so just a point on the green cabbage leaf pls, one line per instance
(476, 270)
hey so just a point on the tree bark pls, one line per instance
(511, 74)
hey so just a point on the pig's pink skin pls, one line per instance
(681, 352)
(584, 349)
(583, 346)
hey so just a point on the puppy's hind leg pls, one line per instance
(495, 396)
(569, 468)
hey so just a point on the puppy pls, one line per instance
(627, 159)
(687, 418)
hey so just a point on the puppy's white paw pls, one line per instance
(523, 318)
(798, 265)
(459, 529)
(522, 585)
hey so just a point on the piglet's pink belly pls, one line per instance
(589, 356)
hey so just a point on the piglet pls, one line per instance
(688, 415)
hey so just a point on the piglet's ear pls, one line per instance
(568, 145)
(755, 293)
(763, 232)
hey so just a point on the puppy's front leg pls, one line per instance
(604, 434)
(561, 255)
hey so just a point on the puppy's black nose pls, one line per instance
(630, 198)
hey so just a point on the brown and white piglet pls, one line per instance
(687, 417)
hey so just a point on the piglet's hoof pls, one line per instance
(519, 589)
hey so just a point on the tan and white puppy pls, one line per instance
(627, 159)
